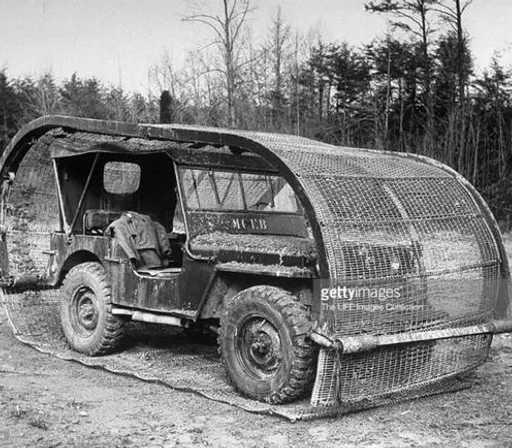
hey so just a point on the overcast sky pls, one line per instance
(118, 40)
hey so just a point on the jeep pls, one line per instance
(352, 272)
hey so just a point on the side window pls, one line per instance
(121, 178)
(198, 191)
(258, 191)
(229, 190)
(284, 196)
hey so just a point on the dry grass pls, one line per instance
(32, 417)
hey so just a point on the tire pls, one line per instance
(86, 311)
(264, 345)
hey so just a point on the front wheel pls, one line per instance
(86, 311)
(265, 347)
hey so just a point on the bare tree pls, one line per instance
(183, 85)
(411, 16)
(454, 69)
(226, 18)
(279, 49)
(453, 15)
(163, 76)
(41, 96)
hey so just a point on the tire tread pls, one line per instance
(113, 331)
(296, 318)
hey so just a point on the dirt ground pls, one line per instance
(48, 402)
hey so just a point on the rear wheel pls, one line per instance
(86, 311)
(265, 347)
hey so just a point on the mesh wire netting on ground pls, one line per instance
(167, 356)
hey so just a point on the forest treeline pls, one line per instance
(414, 89)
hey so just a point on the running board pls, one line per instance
(152, 318)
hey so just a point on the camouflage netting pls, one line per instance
(162, 355)
(371, 207)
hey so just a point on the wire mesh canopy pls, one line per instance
(405, 243)
(377, 209)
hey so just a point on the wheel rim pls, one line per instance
(84, 311)
(259, 347)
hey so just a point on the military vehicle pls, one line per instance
(348, 274)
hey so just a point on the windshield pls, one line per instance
(229, 190)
